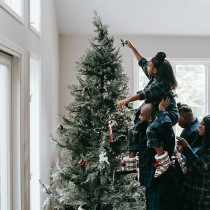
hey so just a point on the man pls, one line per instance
(161, 192)
(189, 122)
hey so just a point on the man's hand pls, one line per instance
(163, 105)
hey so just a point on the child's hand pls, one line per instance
(163, 105)
(122, 103)
(128, 43)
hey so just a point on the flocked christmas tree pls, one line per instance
(91, 147)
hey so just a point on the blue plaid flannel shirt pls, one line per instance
(197, 179)
(191, 132)
(163, 131)
(155, 90)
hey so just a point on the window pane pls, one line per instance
(191, 88)
(35, 14)
(143, 80)
(15, 5)
(4, 139)
(34, 135)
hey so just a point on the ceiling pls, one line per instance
(135, 17)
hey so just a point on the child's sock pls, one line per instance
(180, 161)
(162, 164)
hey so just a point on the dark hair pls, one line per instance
(164, 70)
(206, 120)
(183, 108)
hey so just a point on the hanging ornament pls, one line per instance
(60, 127)
(110, 131)
(103, 158)
(82, 162)
(123, 42)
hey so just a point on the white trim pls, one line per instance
(20, 124)
(11, 12)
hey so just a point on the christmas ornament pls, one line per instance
(103, 158)
(110, 131)
(60, 127)
(82, 162)
(123, 42)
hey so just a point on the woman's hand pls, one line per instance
(163, 105)
(181, 142)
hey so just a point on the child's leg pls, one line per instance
(162, 163)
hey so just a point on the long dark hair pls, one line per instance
(204, 140)
(206, 120)
(165, 72)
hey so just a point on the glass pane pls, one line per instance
(191, 88)
(35, 14)
(15, 5)
(143, 80)
(3, 139)
(34, 135)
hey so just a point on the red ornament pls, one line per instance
(110, 131)
(82, 162)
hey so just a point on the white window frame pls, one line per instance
(19, 119)
(6, 176)
(11, 12)
(35, 157)
(32, 28)
(174, 62)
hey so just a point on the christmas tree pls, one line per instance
(93, 136)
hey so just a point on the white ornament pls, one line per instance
(103, 158)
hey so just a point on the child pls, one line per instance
(161, 83)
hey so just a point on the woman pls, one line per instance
(196, 189)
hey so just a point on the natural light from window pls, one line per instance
(35, 14)
(192, 88)
(16, 6)
(34, 134)
(4, 139)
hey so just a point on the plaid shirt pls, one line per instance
(197, 180)
(155, 90)
(190, 133)
(163, 131)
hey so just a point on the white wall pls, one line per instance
(73, 47)
(47, 47)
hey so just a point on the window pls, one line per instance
(5, 133)
(14, 7)
(192, 77)
(35, 16)
(192, 86)
(34, 133)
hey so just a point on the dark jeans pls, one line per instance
(161, 198)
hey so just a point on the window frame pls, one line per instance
(19, 134)
(12, 12)
(174, 62)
